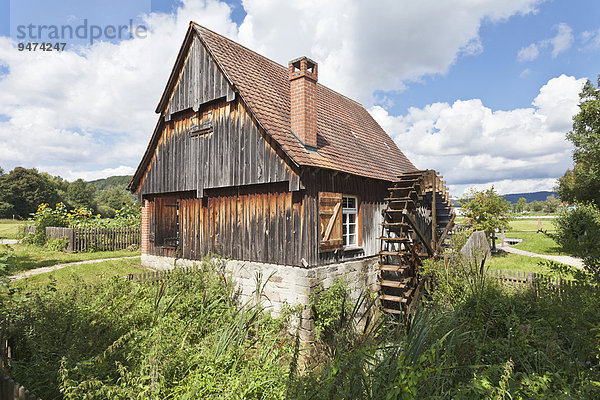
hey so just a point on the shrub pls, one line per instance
(46, 216)
(59, 244)
(120, 339)
(578, 233)
(330, 308)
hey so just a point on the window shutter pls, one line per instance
(330, 221)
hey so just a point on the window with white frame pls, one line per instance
(350, 220)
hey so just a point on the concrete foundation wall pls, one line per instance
(287, 284)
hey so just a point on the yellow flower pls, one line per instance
(69, 215)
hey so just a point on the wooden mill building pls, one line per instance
(259, 163)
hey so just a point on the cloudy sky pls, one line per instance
(482, 91)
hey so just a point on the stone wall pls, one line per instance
(287, 284)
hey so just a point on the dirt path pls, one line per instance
(572, 261)
(42, 270)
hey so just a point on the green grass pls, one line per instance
(87, 273)
(516, 262)
(536, 243)
(10, 229)
(29, 257)
(530, 225)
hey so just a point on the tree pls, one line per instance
(578, 233)
(81, 194)
(582, 184)
(486, 211)
(521, 203)
(112, 199)
(22, 190)
(551, 204)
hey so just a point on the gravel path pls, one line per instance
(572, 261)
(37, 271)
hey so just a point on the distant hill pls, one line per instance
(118, 181)
(535, 196)
(514, 198)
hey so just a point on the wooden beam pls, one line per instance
(445, 233)
(336, 211)
(419, 233)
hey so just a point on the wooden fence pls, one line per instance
(158, 275)
(96, 239)
(9, 389)
(28, 229)
(521, 278)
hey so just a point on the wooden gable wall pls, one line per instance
(236, 151)
(200, 81)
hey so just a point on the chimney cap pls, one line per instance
(297, 60)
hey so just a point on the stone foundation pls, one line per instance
(287, 284)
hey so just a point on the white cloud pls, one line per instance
(79, 112)
(559, 43)
(590, 40)
(525, 73)
(87, 175)
(93, 108)
(361, 47)
(471, 144)
(528, 53)
(508, 186)
(563, 39)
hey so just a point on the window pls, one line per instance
(202, 127)
(350, 220)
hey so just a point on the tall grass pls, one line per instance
(183, 338)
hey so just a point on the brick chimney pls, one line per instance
(303, 100)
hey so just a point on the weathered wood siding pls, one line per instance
(264, 223)
(237, 152)
(200, 81)
(268, 223)
(371, 194)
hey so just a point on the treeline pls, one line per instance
(550, 205)
(22, 190)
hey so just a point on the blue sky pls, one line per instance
(494, 74)
(481, 91)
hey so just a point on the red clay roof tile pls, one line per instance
(348, 138)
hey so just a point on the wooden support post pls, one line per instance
(443, 236)
(418, 232)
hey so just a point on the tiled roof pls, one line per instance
(348, 138)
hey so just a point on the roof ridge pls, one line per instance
(196, 25)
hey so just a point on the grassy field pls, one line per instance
(516, 262)
(84, 273)
(30, 257)
(10, 229)
(536, 243)
(530, 225)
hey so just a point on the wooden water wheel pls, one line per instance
(416, 224)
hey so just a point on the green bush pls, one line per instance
(59, 244)
(578, 233)
(119, 339)
(330, 308)
(46, 216)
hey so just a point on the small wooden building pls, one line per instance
(260, 163)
